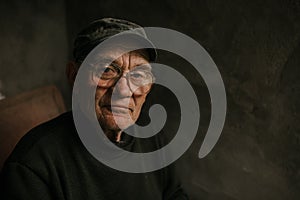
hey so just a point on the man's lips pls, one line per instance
(117, 108)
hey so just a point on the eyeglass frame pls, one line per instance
(120, 75)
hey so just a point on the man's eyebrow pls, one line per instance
(144, 66)
(107, 60)
(112, 60)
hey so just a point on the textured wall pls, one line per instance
(255, 44)
(33, 49)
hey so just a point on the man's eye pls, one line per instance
(106, 72)
(141, 77)
(137, 75)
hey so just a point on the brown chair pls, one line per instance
(21, 113)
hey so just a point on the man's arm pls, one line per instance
(20, 182)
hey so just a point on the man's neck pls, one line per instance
(114, 136)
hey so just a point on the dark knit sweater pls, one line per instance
(50, 162)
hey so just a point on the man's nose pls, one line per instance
(122, 88)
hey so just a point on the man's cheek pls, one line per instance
(137, 110)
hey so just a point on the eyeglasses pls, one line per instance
(138, 79)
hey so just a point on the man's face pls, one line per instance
(118, 107)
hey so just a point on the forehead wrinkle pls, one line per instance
(136, 59)
(111, 59)
(127, 61)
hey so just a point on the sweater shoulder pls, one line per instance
(43, 137)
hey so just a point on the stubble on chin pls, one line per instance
(107, 120)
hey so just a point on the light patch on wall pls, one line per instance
(1, 95)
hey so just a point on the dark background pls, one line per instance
(256, 46)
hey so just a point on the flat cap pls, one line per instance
(100, 30)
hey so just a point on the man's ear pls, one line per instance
(71, 72)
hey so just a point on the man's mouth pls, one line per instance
(117, 109)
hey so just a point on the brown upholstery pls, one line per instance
(21, 113)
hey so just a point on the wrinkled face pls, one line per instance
(117, 102)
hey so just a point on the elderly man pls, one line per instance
(51, 162)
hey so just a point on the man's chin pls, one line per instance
(116, 122)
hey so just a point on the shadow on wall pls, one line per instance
(33, 51)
